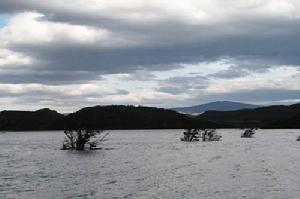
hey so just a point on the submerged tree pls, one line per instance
(195, 135)
(210, 135)
(248, 133)
(79, 139)
(190, 135)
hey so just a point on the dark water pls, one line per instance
(152, 164)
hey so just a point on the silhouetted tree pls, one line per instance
(190, 135)
(248, 133)
(195, 135)
(210, 135)
(78, 139)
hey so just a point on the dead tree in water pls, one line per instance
(210, 135)
(190, 135)
(195, 135)
(248, 133)
(78, 139)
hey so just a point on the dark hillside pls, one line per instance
(131, 117)
(292, 123)
(44, 119)
(260, 117)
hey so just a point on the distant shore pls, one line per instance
(118, 117)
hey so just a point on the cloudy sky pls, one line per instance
(68, 54)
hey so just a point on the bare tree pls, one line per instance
(78, 139)
(210, 135)
(190, 135)
(248, 133)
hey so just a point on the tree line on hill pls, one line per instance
(99, 117)
(265, 117)
(132, 117)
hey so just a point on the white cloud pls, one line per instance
(10, 59)
(195, 69)
(282, 77)
(30, 28)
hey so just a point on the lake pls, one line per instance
(152, 164)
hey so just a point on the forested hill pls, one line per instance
(44, 119)
(291, 122)
(265, 117)
(99, 117)
(131, 117)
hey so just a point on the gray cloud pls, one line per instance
(47, 77)
(255, 96)
(121, 92)
(151, 36)
(269, 40)
(232, 72)
(141, 75)
(180, 84)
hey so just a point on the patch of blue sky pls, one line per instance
(4, 19)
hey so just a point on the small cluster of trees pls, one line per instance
(210, 135)
(81, 139)
(190, 135)
(248, 133)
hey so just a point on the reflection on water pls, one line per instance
(151, 164)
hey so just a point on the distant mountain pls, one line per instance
(265, 117)
(216, 106)
(131, 117)
(44, 119)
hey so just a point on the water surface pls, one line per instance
(151, 164)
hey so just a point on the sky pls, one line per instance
(3, 20)
(69, 54)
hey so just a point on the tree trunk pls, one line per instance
(80, 145)
(80, 141)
